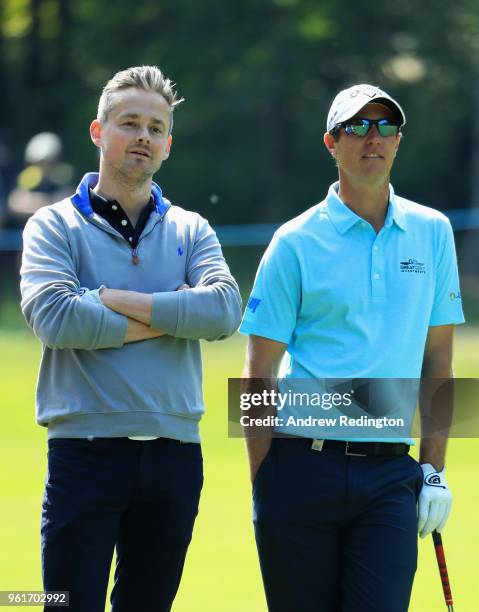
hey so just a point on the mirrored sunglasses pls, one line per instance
(360, 127)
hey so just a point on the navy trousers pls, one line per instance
(140, 496)
(335, 533)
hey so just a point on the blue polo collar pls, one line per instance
(343, 218)
(81, 198)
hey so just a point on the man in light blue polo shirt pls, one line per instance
(363, 285)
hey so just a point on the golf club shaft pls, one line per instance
(441, 562)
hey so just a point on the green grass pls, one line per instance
(221, 572)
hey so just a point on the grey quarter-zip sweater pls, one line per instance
(90, 382)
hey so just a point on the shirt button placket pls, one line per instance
(377, 271)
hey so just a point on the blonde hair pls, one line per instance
(148, 78)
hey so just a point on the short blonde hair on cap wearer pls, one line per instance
(148, 78)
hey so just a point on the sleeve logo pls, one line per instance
(253, 304)
(454, 296)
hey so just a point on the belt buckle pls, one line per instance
(346, 452)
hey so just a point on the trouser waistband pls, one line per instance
(362, 449)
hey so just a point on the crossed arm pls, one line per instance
(65, 315)
(137, 307)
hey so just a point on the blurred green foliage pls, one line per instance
(258, 77)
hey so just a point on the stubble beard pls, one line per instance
(130, 178)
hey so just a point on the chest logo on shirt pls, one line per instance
(413, 265)
(253, 304)
(180, 251)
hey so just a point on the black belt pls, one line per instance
(362, 449)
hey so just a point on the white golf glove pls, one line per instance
(435, 501)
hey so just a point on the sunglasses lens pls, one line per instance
(360, 130)
(388, 129)
(360, 127)
(357, 129)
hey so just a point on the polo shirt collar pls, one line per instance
(81, 198)
(395, 211)
(343, 218)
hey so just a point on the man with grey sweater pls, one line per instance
(120, 286)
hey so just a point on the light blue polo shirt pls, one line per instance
(350, 303)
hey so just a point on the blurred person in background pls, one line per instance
(7, 174)
(45, 179)
(3, 201)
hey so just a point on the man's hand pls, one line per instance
(435, 501)
(257, 454)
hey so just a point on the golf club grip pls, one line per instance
(441, 562)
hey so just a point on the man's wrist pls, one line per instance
(436, 464)
(132, 304)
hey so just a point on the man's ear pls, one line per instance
(169, 142)
(330, 143)
(95, 132)
(399, 139)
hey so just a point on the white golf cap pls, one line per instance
(350, 101)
